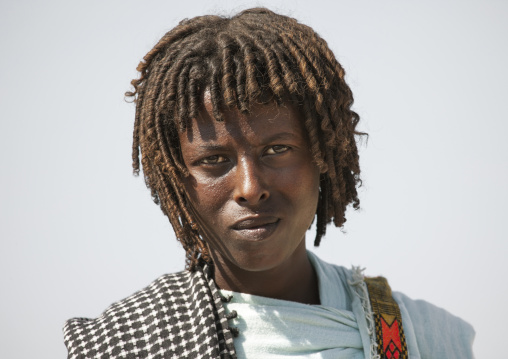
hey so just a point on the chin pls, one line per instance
(258, 266)
(262, 261)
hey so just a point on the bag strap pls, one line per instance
(391, 342)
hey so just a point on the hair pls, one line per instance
(254, 56)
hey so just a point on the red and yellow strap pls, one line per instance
(389, 332)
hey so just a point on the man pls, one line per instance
(246, 135)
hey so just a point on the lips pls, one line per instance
(256, 228)
(254, 222)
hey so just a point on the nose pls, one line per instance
(251, 184)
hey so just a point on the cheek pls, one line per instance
(310, 189)
(300, 186)
(206, 196)
(308, 177)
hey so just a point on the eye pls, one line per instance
(211, 160)
(276, 149)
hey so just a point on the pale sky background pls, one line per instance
(79, 232)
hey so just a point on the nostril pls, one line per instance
(253, 199)
(250, 186)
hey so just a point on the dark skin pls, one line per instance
(254, 188)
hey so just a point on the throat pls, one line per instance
(297, 282)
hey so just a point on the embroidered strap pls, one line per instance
(389, 332)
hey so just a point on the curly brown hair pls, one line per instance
(254, 56)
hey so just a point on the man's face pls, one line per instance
(253, 185)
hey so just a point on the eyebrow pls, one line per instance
(211, 147)
(275, 137)
(283, 136)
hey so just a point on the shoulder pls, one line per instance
(437, 332)
(145, 321)
(429, 330)
(329, 269)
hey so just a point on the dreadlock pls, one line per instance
(241, 60)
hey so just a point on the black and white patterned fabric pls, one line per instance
(179, 315)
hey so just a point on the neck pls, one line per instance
(294, 280)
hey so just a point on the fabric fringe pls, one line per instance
(360, 289)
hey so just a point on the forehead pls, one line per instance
(263, 120)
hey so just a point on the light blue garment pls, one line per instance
(432, 332)
(342, 326)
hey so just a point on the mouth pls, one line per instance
(256, 228)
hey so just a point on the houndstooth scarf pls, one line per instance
(179, 315)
